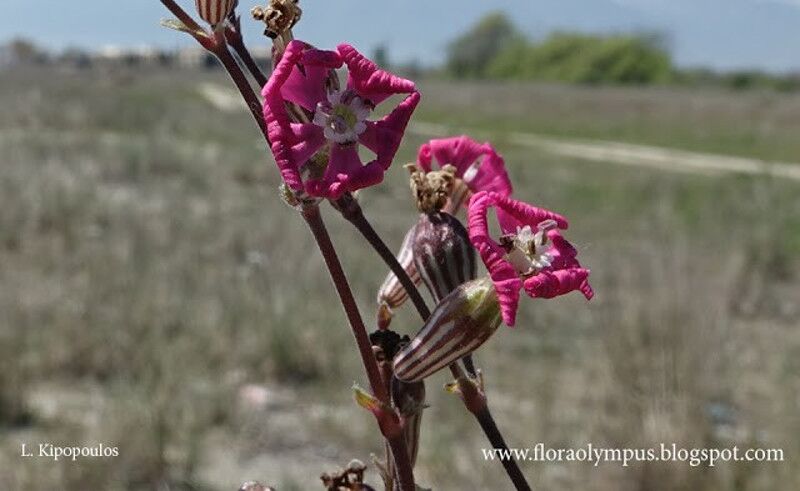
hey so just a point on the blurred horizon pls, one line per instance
(717, 34)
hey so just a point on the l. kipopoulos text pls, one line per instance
(67, 452)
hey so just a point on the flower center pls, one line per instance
(527, 251)
(342, 116)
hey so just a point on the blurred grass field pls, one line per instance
(149, 272)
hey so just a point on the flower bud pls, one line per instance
(215, 11)
(391, 294)
(459, 325)
(443, 253)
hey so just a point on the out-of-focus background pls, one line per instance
(156, 295)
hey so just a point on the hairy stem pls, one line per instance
(313, 218)
(474, 402)
(234, 37)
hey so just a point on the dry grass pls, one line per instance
(148, 272)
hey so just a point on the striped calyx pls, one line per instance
(391, 294)
(459, 325)
(443, 254)
(215, 11)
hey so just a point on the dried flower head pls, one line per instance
(279, 16)
(431, 189)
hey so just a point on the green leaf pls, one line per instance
(177, 25)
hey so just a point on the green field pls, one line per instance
(149, 271)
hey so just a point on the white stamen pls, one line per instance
(530, 252)
(342, 116)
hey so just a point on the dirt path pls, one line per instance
(666, 159)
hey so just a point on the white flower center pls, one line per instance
(342, 116)
(529, 251)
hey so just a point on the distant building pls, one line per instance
(195, 57)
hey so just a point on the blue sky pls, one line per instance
(722, 34)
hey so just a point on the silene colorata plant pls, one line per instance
(315, 111)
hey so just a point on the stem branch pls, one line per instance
(234, 37)
(474, 402)
(313, 218)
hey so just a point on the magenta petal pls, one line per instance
(279, 127)
(344, 160)
(459, 151)
(492, 175)
(369, 81)
(508, 297)
(564, 254)
(368, 175)
(281, 144)
(462, 152)
(505, 279)
(345, 173)
(508, 224)
(565, 257)
(308, 138)
(306, 82)
(526, 214)
(330, 60)
(550, 284)
(291, 144)
(383, 137)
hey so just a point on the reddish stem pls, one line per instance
(234, 37)
(313, 218)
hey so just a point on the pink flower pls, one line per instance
(339, 119)
(531, 253)
(478, 165)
